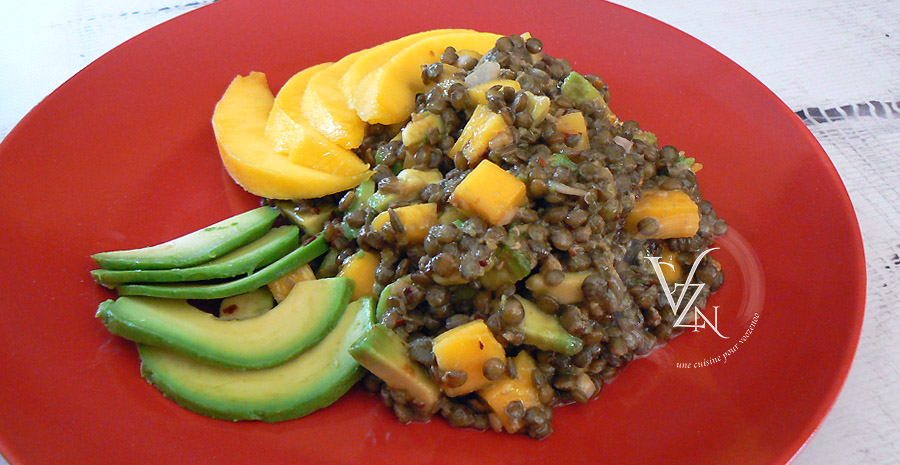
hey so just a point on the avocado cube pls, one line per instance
(311, 222)
(544, 331)
(381, 351)
(578, 89)
(514, 265)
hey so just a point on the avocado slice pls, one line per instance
(544, 331)
(261, 252)
(381, 156)
(394, 288)
(381, 351)
(516, 266)
(282, 266)
(248, 305)
(560, 159)
(298, 387)
(380, 201)
(646, 137)
(579, 90)
(194, 248)
(411, 183)
(297, 323)
(329, 266)
(311, 223)
(363, 192)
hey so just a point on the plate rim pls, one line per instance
(857, 249)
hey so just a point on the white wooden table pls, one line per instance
(838, 61)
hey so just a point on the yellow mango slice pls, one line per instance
(292, 134)
(572, 124)
(476, 93)
(376, 56)
(476, 136)
(387, 95)
(325, 106)
(282, 286)
(361, 269)
(282, 127)
(327, 157)
(490, 192)
(466, 348)
(501, 392)
(239, 123)
(675, 214)
(416, 220)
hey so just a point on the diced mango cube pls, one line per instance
(361, 269)
(500, 393)
(674, 212)
(573, 124)
(414, 133)
(483, 126)
(416, 220)
(476, 93)
(568, 291)
(283, 285)
(466, 348)
(490, 192)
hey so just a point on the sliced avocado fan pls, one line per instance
(298, 387)
(300, 321)
(282, 266)
(194, 248)
(261, 252)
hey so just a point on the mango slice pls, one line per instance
(416, 220)
(379, 55)
(490, 192)
(282, 127)
(293, 135)
(387, 95)
(325, 106)
(466, 348)
(239, 123)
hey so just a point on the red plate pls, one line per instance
(123, 155)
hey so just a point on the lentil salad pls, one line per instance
(583, 174)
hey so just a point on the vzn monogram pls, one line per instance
(675, 305)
